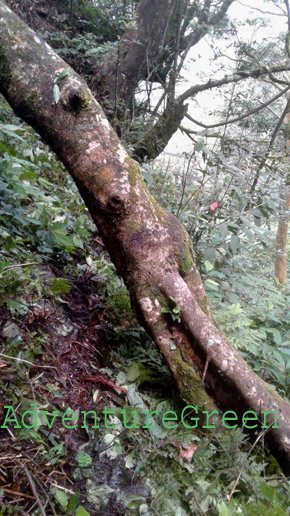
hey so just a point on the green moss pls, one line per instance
(76, 102)
(133, 170)
(162, 300)
(119, 302)
(85, 101)
(191, 386)
(186, 262)
(32, 97)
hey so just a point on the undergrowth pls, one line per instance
(70, 340)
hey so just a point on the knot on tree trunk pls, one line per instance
(117, 202)
(75, 99)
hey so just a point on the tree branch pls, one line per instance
(156, 139)
(260, 10)
(241, 117)
(222, 11)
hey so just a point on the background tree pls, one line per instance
(138, 51)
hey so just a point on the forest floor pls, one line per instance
(72, 368)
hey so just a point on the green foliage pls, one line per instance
(173, 311)
(256, 320)
(60, 286)
(210, 198)
(32, 215)
(40, 219)
(83, 459)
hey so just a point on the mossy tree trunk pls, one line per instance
(149, 247)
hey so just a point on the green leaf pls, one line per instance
(235, 243)
(29, 175)
(56, 93)
(223, 510)
(3, 148)
(73, 502)
(61, 76)
(62, 498)
(82, 512)
(199, 146)
(277, 338)
(133, 372)
(3, 266)
(19, 307)
(208, 266)
(83, 459)
(62, 239)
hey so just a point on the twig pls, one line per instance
(10, 267)
(198, 504)
(32, 486)
(62, 488)
(261, 434)
(262, 11)
(27, 362)
(267, 153)
(205, 369)
(17, 493)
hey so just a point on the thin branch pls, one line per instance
(241, 117)
(174, 72)
(273, 112)
(236, 77)
(280, 122)
(260, 10)
(198, 504)
(288, 13)
(204, 22)
(189, 132)
(273, 137)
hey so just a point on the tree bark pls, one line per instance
(149, 247)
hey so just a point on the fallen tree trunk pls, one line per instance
(149, 247)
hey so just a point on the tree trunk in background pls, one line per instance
(282, 234)
(149, 247)
(283, 223)
(138, 50)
